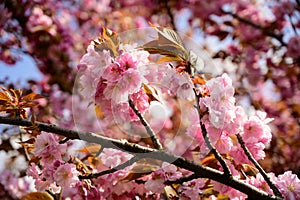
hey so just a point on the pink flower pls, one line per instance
(156, 185)
(289, 185)
(224, 143)
(256, 129)
(178, 84)
(47, 147)
(232, 193)
(38, 21)
(293, 47)
(81, 191)
(238, 154)
(121, 79)
(170, 172)
(259, 182)
(185, 89)
(66, 175)
(92, 66)
(192, 189)
(221, 101)
(112, 158)
(43, 141)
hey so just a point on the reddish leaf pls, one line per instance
(32, 96)
(151, 93)
(4, 97)
(93, 149)
(37, 196)
(108, 40)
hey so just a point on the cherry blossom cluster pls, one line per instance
(116, 80)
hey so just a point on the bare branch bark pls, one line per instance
(148, 128)
(257, 165)
(119, 167)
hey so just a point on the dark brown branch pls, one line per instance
(208, 142)
(257, 165)
(293, 25)
(169, 11)
(148, 128)
(119, 167)
(183, 179)
(144, 152)
(21, 132)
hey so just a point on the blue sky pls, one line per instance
(22, 71)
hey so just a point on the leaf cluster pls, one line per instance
(169, 44)
(13, 103)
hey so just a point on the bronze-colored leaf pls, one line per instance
(37, 196)
(169, 59)
(93, 149)
(151, 93)
(5, 97)
(141, 169)
(167, 36)
(171, 193)
(17, 93)
(249, 170)
(108, 40)
(167, 43)
(31, 97)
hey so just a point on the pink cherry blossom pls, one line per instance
(289, 185)
(178, 84)
(221, 102)
(112, 157)
(232, 193)
(38, 21)
(48, 148)
(155, 185)
(192, 189)
(81, 191)
(66, 175)
(293, 47)
(259, 182)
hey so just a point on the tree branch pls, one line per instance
(183, 179)
(119, 167)
(257, 165)
(208, 142)
(145, 152)
(149, 130)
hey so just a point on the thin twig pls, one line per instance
(207, 140)
(293, 25)
(109, 171)
(257, 165)
(183, 179)
(145, 152)
(21, 132)
(99, 151)
(169, 11)
(148, 128)
(64, 140)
